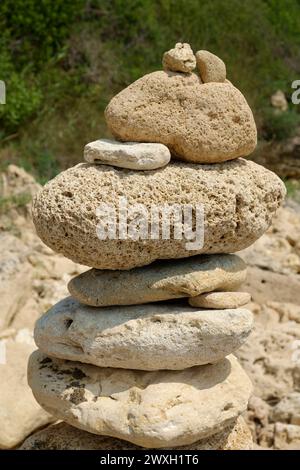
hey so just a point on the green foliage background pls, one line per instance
(62, 61)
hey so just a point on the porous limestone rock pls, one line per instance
(265, 286)
(150, 409)
(179, 59)
(271, 358)
(146, 337)
(286, 437)
(220, 300)
(199, 122)
(238, 198)
(132, 155)
(62, 436)
(162, 280)
(288, 409)
(211, 68)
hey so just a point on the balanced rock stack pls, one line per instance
(142, 350)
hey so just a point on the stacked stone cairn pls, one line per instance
(142, 350)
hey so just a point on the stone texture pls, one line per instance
(286, 437)
(62, 436)
(146, 337)
(220, 300)
(20, 414)
(264, 285)
(179, 59)
(150, 409)
(162, 280)
(14, 270)
(288, 409)
(201, 123)
(132, 155)
(271, 357)
(211, 68)
(239, 199)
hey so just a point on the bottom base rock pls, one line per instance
(62, 436)
(149, 409)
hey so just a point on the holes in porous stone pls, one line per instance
(67, 194)
(228, 406)
(68, 323)
(236, 119)
(156, 320)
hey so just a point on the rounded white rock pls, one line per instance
(150, 409)
(144, 337)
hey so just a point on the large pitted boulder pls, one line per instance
(239, 199)
(146, 337)
(62, 436)
(150, 409)
(199, 122)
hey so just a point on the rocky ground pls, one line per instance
(32, 278)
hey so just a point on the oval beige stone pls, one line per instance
(62, 436)
(239, 199)
(199, 122)
(211, 67)
(149, 409)
(145, 337)
(162, 280)
(220, 300)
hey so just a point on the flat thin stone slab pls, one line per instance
(162, 280)
(149, 409)
(146, 337)
(238, 199)
(132, 155)
(220, 300)
(62, 436)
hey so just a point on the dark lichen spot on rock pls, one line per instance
(64, 372)
(46, 360)
(76, 383)
(78, 374)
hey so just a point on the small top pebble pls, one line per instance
(211, 68)
(179, 59)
